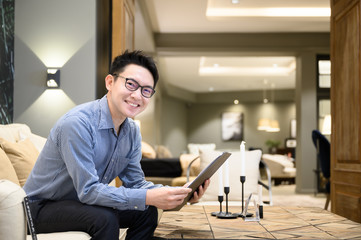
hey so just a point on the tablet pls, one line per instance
(204, 175)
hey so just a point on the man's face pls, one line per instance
(122, 102)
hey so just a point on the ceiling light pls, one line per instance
(269, 12)
(211, 89)
(235, 1)
(236, 101)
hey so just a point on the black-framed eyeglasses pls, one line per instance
(133, 85)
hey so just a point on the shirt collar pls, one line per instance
(106, 121)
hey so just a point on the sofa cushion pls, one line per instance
(194, 148)
(252, 173)
(147, 150)
(163, 152)
(22, 155)
(37, 140)
(7, 170)
(10, 132)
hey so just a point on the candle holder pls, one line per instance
(220, 200)
(260, 208)
(243, 180)
(227, 214)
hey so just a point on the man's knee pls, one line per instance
(153, 215)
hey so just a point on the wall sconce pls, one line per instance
(53, 78)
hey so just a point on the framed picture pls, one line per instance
(232, 126)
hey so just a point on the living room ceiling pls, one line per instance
(199, 73)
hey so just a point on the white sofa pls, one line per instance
(19, 149)
(281, 166)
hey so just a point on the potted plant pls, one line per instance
(272, 145)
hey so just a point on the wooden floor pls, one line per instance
(196, 222)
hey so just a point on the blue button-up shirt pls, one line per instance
(83, 154)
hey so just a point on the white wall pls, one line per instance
(52, 33)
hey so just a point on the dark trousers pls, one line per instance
(99, 222)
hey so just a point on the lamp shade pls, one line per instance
(263, 124)
(274, 126)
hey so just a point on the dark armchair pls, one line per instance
(323, 155)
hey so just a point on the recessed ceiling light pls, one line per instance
(211, 89)
(236, 101)
(235, 1)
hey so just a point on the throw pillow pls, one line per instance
(7, 170)
(37, 140)
(22, 155)
(252, 172)
(147, 151)
(194, 148)
(163, 152)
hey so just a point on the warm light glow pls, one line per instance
(326, 127)
(274, 126)
(268, 12)
(51, 83)
(236, 102)
(246, 66)
(263, 124)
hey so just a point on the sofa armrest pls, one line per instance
(190, 166)
(12, 215)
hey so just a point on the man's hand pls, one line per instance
(199, 193)
(166, 197)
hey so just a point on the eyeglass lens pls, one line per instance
(133, 85)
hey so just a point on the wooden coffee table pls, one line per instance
(196, 222)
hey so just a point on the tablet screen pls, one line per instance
(204, 175)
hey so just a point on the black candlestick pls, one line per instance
(227, 214)
(220, 200)
(243, 180)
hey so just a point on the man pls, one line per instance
(91, 145)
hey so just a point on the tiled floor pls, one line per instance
(285, 195)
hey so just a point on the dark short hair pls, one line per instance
(134, 57)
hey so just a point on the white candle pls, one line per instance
(260, 201)
(220, 181)
(226, 184)
(243, 159)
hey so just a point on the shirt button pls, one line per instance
(105, 177)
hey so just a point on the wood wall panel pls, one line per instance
(122, 26)
(345, 108)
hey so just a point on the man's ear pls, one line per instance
(109, 80)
